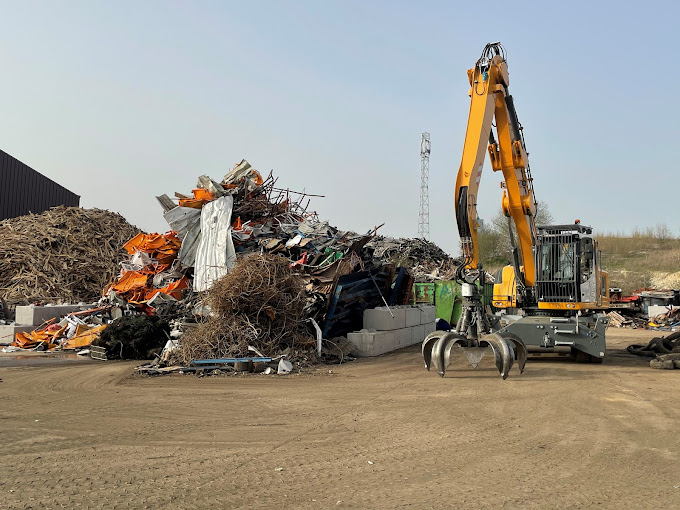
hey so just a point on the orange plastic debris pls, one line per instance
(173, 289)
(136, 286)
(84, 339)
(151, 243)
(192, 202)
(40, 335)
(129, 281)
(203, 194)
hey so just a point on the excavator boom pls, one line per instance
(489, 101)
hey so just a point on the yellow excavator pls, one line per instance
(549, 299)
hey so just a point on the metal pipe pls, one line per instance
(512, 119)
(381, 294)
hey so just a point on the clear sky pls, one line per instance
(121, 101)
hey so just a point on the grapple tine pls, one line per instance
(503, 353)
(520, 349)
(449, 345)
(427, 346)
(441, 352)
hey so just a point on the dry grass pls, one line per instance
(647, 258)
(644, 259)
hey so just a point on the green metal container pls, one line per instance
(444, 298)
(424, 293)
(457, 309)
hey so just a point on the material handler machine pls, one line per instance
(549, 297)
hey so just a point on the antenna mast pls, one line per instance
(424, 214)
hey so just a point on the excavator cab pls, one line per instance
(568, 269)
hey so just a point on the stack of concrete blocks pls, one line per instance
(385, 332)
(27, 318)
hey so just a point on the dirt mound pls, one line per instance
(66, 254)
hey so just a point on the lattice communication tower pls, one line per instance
(424, 214)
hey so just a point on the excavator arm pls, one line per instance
(491, 101)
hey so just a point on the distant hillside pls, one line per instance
(646, 259)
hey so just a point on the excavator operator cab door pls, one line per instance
(565, 259)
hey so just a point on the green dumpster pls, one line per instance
(445, 298)
(457, 309)
(424, 293)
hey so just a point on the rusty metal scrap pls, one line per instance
(259, 304)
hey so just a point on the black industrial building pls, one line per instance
(23, 190)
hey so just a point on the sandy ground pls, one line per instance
(376, 433)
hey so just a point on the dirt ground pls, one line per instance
(375, 433)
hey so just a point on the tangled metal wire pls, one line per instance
(259, 303)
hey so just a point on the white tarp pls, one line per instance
(215, 254)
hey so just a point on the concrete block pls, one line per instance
(402, 337)
(380, 319)
(36, 315)
(372, 343)
(7, 332)
(412, 316)
(417, 334)
(428, 313)
(430, 327)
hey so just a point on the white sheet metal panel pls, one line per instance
(187, 222)
(215, 254)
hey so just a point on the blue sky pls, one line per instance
(122, 101)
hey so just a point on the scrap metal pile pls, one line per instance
(75, 330)
(246, 267)
(259, 305)
(64, 255)
(426, 260)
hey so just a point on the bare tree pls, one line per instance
(494, 238)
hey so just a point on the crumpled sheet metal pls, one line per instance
(215, 254)
(243, 176)
(310, 227)
(205, 182)
(187, 222)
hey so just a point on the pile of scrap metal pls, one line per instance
(425, 260)
(152, 273)
(342, 273)
(76, 330)
(666, 321)
(665, 350)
